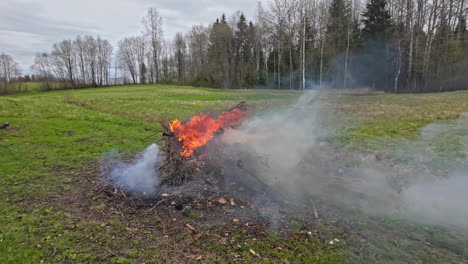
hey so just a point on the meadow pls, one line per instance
(53, 148)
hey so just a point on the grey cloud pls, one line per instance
(24, 32)
(31, 26)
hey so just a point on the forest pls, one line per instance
(397, 46)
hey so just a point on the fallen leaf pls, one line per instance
(286, 261)
(222, 200)
(235, 220)
(190, 227)
(223, 241)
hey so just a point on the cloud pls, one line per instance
(31, 26)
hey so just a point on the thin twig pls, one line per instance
(158, 140)
(152, 135)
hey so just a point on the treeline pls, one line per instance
(394, 45)
(390, 45)
(83, 62)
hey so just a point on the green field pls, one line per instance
(56, 140)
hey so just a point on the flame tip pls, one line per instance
(199, 130)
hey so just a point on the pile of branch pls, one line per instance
(177, 169)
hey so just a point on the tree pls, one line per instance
(340, 28)
(219, 54)
(9, 71)
(43, 68)
(91, 59)
(376, 19)
(127, 56)
(180, 55)
(143, 72)
(241, 50)
(337, 26)
(461, 29)
(377, 71)
(198, 42)
(64, 60)
(153, 33)
(104, 57)
(139, 48)
(391, 45)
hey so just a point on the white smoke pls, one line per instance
(442, 201)
(140, 177)
(296, 158)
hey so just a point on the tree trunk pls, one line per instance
(321, 61)
(291, 74)
(303, 51)
(279, 65)
(397, 75)
(346, 58)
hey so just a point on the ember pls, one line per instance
(200, 129)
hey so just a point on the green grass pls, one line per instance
(69, 131)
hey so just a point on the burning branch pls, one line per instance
(184, 139)
(200, 129)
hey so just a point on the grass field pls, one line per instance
(57, 137)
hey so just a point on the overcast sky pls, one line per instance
(31, 26)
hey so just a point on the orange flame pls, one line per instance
(200, 129)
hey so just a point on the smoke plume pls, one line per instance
(294, 157)
(139, 177)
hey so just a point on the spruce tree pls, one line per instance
(337, 26)
(377, 19)
(377, 57)
(219, 54)
(241, 49)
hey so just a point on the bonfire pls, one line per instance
(185, 144)
(199, 170)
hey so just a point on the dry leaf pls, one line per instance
(190, 227)
(223, 241)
